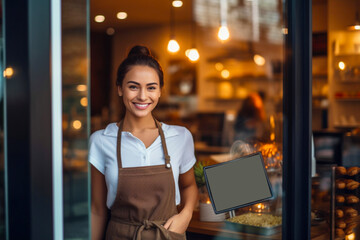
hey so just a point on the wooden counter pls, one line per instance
(319, 232)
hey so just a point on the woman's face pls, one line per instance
(140, 91)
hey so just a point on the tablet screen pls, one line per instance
(237, 183)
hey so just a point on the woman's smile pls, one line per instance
(141, 106)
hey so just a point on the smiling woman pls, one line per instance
(132, 173)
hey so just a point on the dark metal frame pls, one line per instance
(28, 108)
(297, 121)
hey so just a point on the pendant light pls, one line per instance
(173, 46)
(356, 25)
(223, 33)
(192, 53)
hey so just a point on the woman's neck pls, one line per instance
(133, 124)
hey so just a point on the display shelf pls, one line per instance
(347, 99)
(224, 99)
(241, 79)
(344, 55)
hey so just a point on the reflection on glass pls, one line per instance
(6, 73)
(336, 119)
(75, 118)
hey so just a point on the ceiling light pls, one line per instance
(84, 101)
(225, 74)
(121, 15)
(173, 46)
(81, 88)
(177, 3)
(8, 72)
(259, 60)
(356, 25)
(76, 124)
(223, 33)
(99, 18)
(341, 65)
(192, 54)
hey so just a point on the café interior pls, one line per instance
(222, 63)
(223, 71)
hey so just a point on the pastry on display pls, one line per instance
(351, 199)
(352, 171)
(340, 170)
(340, 183)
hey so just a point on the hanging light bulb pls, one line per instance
(259, 60)
(173, 46)
(192, 54)
(223, 33)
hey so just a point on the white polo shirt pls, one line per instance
(102, 154)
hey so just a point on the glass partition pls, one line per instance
(228, 92)
(75, 65)
(336, 119)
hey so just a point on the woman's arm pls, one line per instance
(189, 197)
(98, 204)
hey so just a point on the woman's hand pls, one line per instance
(179, 222)
(189, 195)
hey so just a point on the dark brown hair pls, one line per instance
(139, 56)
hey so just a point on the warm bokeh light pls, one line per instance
(341, 65)
(223, 33)
(272, 121)
(241, 92)
(259, 60)
(225, 90)
(350, 236)
(76, 124)
(285, 31)
(8, 72)
(355, 27)
(81, 88)
(225, 74)
(110, 31)
(192, 54)
(173, 46)
(84, 101)
(219, 66)
(177, 3)
(121, 15)
(99, 18)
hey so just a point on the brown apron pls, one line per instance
(145, 200)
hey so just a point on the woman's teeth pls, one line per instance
(142, 106)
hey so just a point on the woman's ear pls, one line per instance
(120, 92)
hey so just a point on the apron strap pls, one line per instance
(162, 136)
(118, 145)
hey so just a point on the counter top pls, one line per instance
(318, 232)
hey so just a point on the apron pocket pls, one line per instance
(174, 235)
(177, 236)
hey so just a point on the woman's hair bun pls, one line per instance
(139, 50)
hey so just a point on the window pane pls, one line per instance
(75, 118)
(336, 119)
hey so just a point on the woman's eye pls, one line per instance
(152, 88)
(133, 87)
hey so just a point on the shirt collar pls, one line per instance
(112, 129)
